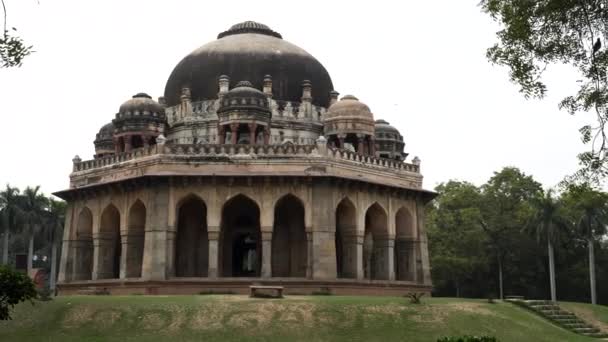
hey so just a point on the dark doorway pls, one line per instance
(241, 244)
(245, 256)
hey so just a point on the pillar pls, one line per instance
(360, 143)
(158, 234)
(65, 266)
(422, 249)
(267, 254)
(252, 129)
(124, 240)
(266, 135)
(341, 138)
(221, 131)
(309, 252)
(127, 140)
(213, 235)
(372, 146)
(234, 128)
(146, 140)
(103, 256)
(384, 256)
(268, 85)
(323, 231)
(352, 249)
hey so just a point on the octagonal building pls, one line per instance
(250, 169)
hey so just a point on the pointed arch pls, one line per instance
(345, 239)
(136, 228)
(375, 243)
(110, 246)
(83, 246)
(192, 241)
(240, 237)
(289, 245)
(404, 245)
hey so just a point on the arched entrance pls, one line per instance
(405, 261)
(289, 245)
(83, 246)
(346, 239)
(192, 243)
(241, 254)
(110, 248)
(376, 244)
(135, 239)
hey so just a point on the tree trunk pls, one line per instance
(30, 253)
(551, 270)
(5, 247)
(592, 269)
(53, 274)
(500, 277)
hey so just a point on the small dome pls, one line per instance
(244, 96)
(141, 103)
(349, 106)
(104, 144)
(383, 126)
(249, 27)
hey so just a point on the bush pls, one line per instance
(44, 294)
(415, 297)
(15, 287)
(467, 338)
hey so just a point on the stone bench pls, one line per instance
(276, 291)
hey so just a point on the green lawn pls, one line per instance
(296, 318)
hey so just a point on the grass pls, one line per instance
(295, 318)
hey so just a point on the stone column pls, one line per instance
(252, 136)
(360, 143)
(372, 146)
(341, 138)
(234, 128)
(266, 254)
(155, 260)
(213, 236)
(309, 256)
(221, 131)
(423, 245)
(146, 140)
(323, 231)
(268, 85)
(266, 135)
(124, 240)
(65, 266)
(127, 139)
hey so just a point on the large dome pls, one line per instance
(249, 51)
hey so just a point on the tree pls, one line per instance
(539, 33)
(33, 206)
(12, 48)
(504, 208)
(11, 212)
(456, 241)
(591, 214)
(15, 287)
(548, 220)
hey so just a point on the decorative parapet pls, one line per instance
(253, 151)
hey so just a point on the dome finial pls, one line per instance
(249, 27)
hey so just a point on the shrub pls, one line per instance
(467, 338)
(415, 297)
(44, 294)
(15, 287)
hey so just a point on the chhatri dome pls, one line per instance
(248, 170)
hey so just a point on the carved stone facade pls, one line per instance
(211, 190)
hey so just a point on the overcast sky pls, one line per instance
(420, 66)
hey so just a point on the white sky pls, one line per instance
(419, 65)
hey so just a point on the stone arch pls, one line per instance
(83, 246)
(346, 239)
(240, 235)
(289, 245)
(376, 243)
(404, 245)
(192, 241)
(110, 247)
(136, 228)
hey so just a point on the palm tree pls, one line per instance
(11, 212)
(548, 220)
(591, 214)
(33, 205)
(54, 222)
